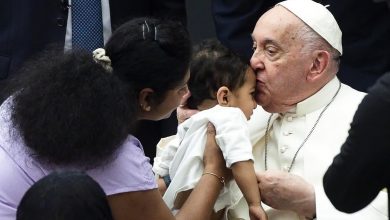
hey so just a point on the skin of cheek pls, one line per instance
(174, 102)
(277, 84)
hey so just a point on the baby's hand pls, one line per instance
(256, 212)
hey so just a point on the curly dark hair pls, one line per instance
(213, 66)
(150, 53)
(71, 111)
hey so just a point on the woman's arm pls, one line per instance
(206, 192)
(199, 205)
(139, 205)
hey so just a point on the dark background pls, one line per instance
(199, 20)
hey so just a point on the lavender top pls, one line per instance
(130, 170)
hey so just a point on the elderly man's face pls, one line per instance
(279, 64)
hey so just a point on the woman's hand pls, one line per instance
(213, 160)
(200, 203)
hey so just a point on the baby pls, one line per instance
(222, 88)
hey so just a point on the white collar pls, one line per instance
(317, 100)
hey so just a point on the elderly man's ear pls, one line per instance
(320, 65)
(223, 96)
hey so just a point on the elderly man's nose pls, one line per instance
(257, 61)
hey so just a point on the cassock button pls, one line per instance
(283, 149)
(289, 118)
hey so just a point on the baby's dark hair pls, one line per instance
(70, 111)
(64, 195)
(150, 53)
(213, 66)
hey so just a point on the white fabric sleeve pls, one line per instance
(161, 163)
(232, 135)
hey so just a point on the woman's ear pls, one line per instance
(319, 65)
(223, 96)
(144, 99)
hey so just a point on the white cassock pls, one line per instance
(287, 133)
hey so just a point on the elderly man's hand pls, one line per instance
(182, 111)
(285, 191)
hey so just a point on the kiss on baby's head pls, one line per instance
(213, 66)
(219, 76)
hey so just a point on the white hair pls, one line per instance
(313, 41)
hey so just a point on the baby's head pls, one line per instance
(218, 76)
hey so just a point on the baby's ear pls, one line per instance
(223, 94)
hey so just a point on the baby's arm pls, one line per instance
(244, 175)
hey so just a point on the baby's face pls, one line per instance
(243, 97)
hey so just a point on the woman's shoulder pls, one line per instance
(130, 170)
(130, 151)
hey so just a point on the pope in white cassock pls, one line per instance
(297, 48)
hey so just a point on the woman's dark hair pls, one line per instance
(67, 195)
(150, 53)
(212, 66)
(71, 111)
